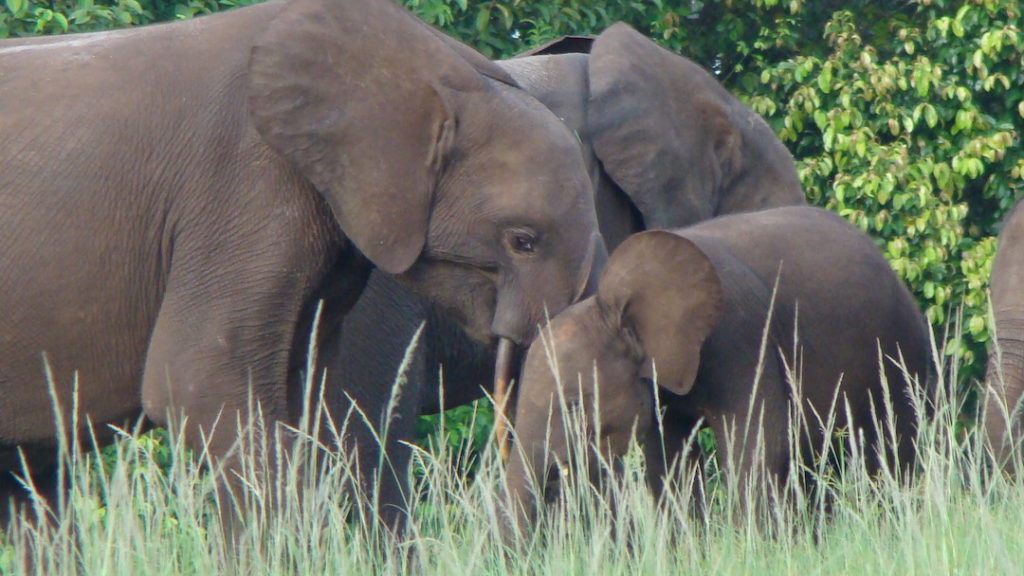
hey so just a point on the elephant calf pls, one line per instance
(691, 306)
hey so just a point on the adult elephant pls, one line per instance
(1005, 374)
(688, 309)
(665, 145)
(178, 198)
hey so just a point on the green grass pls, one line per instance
(151, 508)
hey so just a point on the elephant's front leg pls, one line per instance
(674, 459)
(207, 360)
(218, 358)
(753, 439)
(1004, 391)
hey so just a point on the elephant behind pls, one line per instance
(1004, 379)
(665, 146)
(689, 308)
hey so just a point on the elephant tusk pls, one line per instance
(502, 375)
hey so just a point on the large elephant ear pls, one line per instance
(357, 95)
(665, 289)
(661, 126)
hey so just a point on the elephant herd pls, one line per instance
(187, 209)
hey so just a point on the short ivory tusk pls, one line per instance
(502, 375)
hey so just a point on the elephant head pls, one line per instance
(667, 145)
(657, 301)
(437, 167)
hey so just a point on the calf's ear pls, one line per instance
(665, 289)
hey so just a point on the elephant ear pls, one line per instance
(563, 45)
(358, 96)
(661, 126)
(664, 289)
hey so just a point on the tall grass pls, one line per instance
(132, 516)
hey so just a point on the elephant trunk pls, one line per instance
(533, 474)
(522, 502)
(1004, 390)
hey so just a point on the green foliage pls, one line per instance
(464, 431)
(155, 445)
(912, 133)
(500, 29)
(35, 17)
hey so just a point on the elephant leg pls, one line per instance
(673, 454)
(222, 345)
(664, 447)
(753, 439)
(382, 400)
(891, 438)
(1004, 391)
(205, 370)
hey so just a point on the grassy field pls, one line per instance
(148, 507)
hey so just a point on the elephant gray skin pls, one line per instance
(1005, 374)
(694, 303)
(665, 145)
(178, 198)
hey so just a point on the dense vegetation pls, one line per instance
(905, 117)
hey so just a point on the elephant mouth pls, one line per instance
(600, 477)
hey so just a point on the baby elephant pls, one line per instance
(689, 308)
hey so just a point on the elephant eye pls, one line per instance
(521, 241)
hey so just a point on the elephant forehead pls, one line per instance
(524, 145)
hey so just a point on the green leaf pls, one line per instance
(976, 325)
(821, 119)
(483, 19)
(17, 7)
(825, 79)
